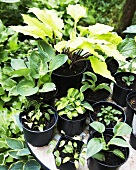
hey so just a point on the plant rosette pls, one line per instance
(38, 122)
(93, 91)
(69, 153)
(125, 83)
(107, 149)
(107, 113)
(72, 111)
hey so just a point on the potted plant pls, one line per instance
(34, 73)
(107, 113)
(83, 43)
(92, 90)
(38, 121)
(72, 112)
(130, 107)
(107, 150)
(69, 153)
(125, 83)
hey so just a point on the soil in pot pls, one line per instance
(93, 97)
(112, 162)
(72, 127)
(34, 133)
(66, 78)
(97, 109)
(121, 89)
(70, 164)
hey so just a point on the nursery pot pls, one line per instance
(94, 164)
(38, 138)
(70, 164)
(64, 82)
(47, 97)
(72, 127)
(133, 134)
(97, 107)
(131, 107)
(120, 92)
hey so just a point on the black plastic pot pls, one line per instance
(94, 164)
(120, 93)
(37, 138)
(70, 164)
(129, 109)
(71, 127)
(47, 97)
(65, 82)
(105, 104)
(112, 65)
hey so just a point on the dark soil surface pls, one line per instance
(76, 69)
(124, 85)
(132, 102)
(47, 123)
(97, 109)
(96, 96)
(79, 117)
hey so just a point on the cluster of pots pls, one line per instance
(121, 97)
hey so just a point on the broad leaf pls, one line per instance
(122, 129)
(3, 167)
(17, 166)
(98, 126)
(87, 106)
(48, 87)
(23, 152)
(66, 159)
(14, 144)
(32, 164)
(100, 67)
(26, 88)
(118, 142)
(76, 11)
(57, 61)
(94, 146)
(10, 1)
(21, 72)
(2, 159)
(118, 153)
(130, 29)
(103, 86)
(99, 156)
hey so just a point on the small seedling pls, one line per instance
(69, 149)
(73, 104)
(89, 82)
(128, 79)
(108, 115)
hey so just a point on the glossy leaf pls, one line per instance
(2, 159)
(118, 153)
(118, 142)
(32, 164)
(23, 152)
(3, 167)
(99, 156)
(94, 146)
(122, 129)
(16, 166)
(98, 126)
(14, 144)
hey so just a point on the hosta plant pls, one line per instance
(34, 73)
(95, 40)
(108, 115)
(89, 81)
(98, 145)
(70, 150)
(73, 104)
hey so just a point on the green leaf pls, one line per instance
(17, 166)
(14, 144)
(13, 154)
(26, 88)
(87, 106)
(23, 152)
(48, 87)
(66, 159)
(94, 146)
(10, 1)
(46, 50)
(2, 159)
(58, 161)
(62, 143)
(76, 164)
(91, 75)
(122, 129)
(32, 164)
(3, 167)
(130, 29)
(118, 153)
(100, 67)
(57, 61)
(103, 86)
(17, 64)
(76, 11)
(98, 126)
(99, 156)
(21, 72)
(118, 142)
(1, 91)
(12, 42)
